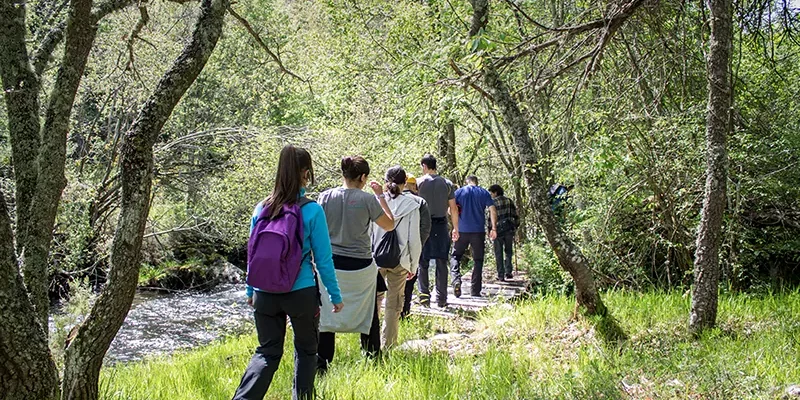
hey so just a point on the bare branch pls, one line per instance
(42, 55)
(180, 228)
(144, 17)
(467, 80)
(108, 7)
(263, 45)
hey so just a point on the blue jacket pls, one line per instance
(316, 240)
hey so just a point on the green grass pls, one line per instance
(533, 351)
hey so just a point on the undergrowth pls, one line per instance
(532, 350)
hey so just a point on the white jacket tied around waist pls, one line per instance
(406, 223)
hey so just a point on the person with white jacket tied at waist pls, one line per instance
(406, 239)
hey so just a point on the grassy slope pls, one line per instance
(533, 352)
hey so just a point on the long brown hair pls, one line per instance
(292, 163)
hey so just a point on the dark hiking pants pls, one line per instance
(271, 310)
(407, 299)
(504, 245)
(476, 241)
(437, 247)
(423, 280)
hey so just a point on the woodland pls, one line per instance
(136, 136)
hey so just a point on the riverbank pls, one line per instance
(531, 350)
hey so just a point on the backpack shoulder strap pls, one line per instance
(303, 201)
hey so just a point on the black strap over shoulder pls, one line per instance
(303, 201)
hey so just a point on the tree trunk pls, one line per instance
(84, 356)
(27, 370)
(522, 211)
(21, 91)
(706, 264)
(447, 153)
(480, 16)
(569, 255)
(80, 35)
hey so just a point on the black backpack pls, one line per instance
(387, 252)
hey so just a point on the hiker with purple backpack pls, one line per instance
(286, 231)
(350, 212)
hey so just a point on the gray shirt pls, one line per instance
(437, 192)
(349, 213)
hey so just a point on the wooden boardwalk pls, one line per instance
(493, 292)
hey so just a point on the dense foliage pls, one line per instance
(384, 79)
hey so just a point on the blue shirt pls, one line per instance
(315, 240)
(474, 200)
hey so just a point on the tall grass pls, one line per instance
(531, 351)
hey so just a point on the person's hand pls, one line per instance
(376, 187)
(493, 234)
(250, 301)
(410, 276)
(338, 307)
(455, 235)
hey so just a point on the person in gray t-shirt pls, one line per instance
(438, 193)
(350, 213)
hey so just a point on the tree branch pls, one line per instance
(467, 79)
(263, 45)
(144, 17)
(108, 7)
(21, 93)
(42, 55)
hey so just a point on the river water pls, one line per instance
(160, 323)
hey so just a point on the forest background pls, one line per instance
(381, 79)
(618, 112)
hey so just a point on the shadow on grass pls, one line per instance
(608, 329)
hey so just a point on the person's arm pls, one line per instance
(385, 221)
(424, 221)
(493, 216)
(323, 255)
(256, 212)
(414, 243)
(454, 218)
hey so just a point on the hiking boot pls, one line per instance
(501, 279)
(509, 276)
(425, 300)
(442, 305)
(457, 290)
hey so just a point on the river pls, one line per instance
(161, 323)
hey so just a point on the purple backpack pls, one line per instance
(275, 249)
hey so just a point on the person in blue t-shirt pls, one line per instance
(473, 201)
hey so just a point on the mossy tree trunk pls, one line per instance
(706, 264)
(84, 356)
(27, 370)
(447, 153)
(568, 253)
